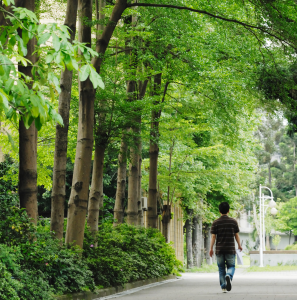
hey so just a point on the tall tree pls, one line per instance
(101, 141)
(61, 143)
(77, 207)
(28, 141)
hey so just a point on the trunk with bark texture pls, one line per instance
(60, 160)
(152, 214)
(95, 205)
(77, 206)
(121, 183)
(28, 142)
(197, 241)
(267, 242)
(96, 192)
(166, 217)
(207, 245)
(139, 196)
(188, 226)
(132, 208)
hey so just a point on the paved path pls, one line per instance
(246, 286)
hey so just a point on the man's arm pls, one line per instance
(213, 239)
(238, 241)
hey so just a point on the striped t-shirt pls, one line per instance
(225, 228)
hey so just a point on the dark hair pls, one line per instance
(224, 207)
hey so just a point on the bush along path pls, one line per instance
(34, 265)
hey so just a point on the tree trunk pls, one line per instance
(61, 143)
(269, 174)
(121, 183)
(139, 196)
(188, 226)
(152, 215)
(267, 242)
(207, 244)
(28, 142)
(96, 192)
(166, 217)
(77, 206)
(197, 241)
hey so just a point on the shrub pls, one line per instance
(8, 286)
(128, 253)
(292, 247)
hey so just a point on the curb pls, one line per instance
(114, 290)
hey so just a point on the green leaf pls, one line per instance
(25, 36)
(38, 123)
(68, 62)
(8, 85)
(4, 100)
(96, 79)
(84, 72)
(44, 38)
(41, 28)
(56, 42)
(2, 72)
(21, 47)
(12, 41)
(3, 37)
(49, 58)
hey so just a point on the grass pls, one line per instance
(204, 269)
(272, 269)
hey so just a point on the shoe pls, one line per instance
(224, 291)
(228, 283)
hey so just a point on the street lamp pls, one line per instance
(273, 211)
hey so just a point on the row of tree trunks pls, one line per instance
(77, 206)
(81, 176)
(60, 159)
(28, 141)
(207, 245)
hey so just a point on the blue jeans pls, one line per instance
(225, 260)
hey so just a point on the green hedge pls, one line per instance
(33, 265)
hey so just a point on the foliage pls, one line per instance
(287, 216)
(128, 253)
(276, 240)
(292, 247)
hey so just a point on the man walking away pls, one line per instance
(223, 230)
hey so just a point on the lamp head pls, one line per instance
(273, 211)
(272, 203)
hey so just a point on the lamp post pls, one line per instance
(273, 211)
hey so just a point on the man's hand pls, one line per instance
(239, 247)
(211, 252)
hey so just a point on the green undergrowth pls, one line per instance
(204, 269)
(292, 247)
(35, 266)
(272, 269)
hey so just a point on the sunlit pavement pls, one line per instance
(255, 286)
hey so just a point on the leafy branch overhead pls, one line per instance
(22, 96)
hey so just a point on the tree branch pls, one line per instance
(204, 12)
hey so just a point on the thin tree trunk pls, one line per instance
(77, 206)
(166, 214)
(96, 192)
(269, 174)
(166, 217)
(267, 242)
(28, 142)
(139, 196)
(197, 241)
(207, 244)
(152, 215)
(61, 143)
(121, 183)
(188, 226)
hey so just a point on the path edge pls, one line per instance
(113, 290)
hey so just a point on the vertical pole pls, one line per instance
(261, 232)
(264, 232)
